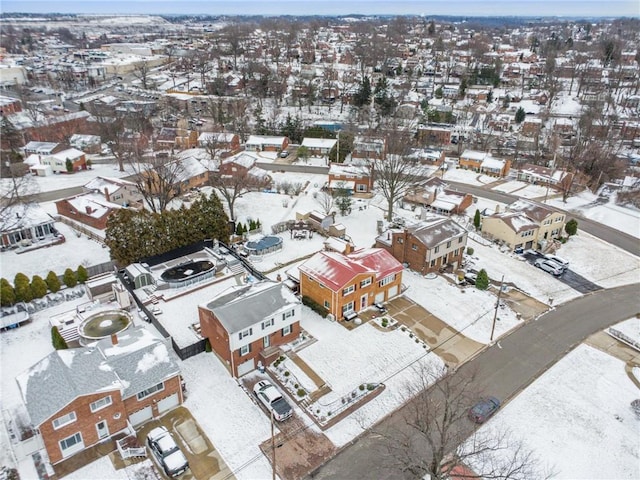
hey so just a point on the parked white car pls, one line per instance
(271, 398)
(548, 266)
(564, 264)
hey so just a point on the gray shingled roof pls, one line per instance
(139, 361)
(434, 234)
(240, 307)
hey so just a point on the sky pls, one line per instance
(535, 8)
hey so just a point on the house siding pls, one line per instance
(402, 248)
(171, 385)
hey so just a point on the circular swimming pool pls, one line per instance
(268, 244)
(187, 271)
(103, 324)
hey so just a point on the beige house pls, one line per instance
(525, 224)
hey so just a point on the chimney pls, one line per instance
(106, 194)
(497, 209)
(348, 248)
(114, 339)
(88, 209)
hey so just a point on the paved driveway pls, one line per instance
(569, 277)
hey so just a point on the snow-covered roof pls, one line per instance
(69, 153)
(222, 137)
(264, 140)
(92, 204)
(516, 221)
(242, 159)
(533, 210)
(323, 143)
(106, 183)
(436, 230)
(492, 163)
(474, 155)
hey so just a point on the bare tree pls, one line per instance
(142, 72)
(434, 437)
(230, 187)
(158, 180)
(18, 188)
(326, 201)
(395, 173)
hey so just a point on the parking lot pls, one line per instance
(568, 277)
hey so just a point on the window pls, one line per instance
(286, 330)
(387, 280)
(288, 314)
(414, 247)
(64, 420)
(74, 440)
(449, 244)
(435, 250)
(150, 391)
(245, 333)
(245, 350)
(433, 263)
(267, 323)
(400, 240)
(347, 307)
(361, 187)
(365, 283)
(103, 402)
(460, 240)
(327, 304)
(348, 290)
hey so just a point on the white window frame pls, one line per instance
(245, 333)
(327, 304)
(63, 449)
(150, 391)
(64, 420)
(361, 187)
(349, 290)
(101, 403)
(268, 323)
(348, 307)
(245, 350)
(387, 280)
(365, 283)
(286, 330)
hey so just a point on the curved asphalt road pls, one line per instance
(505, 368)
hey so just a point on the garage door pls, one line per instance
(168, 403)
(393, 291)
(246, 367)
(380, 297)
(141, 416)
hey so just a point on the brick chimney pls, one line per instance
(114, 339)
(348, 248)
(106, 194)
(88, 209)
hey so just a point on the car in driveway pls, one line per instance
(166, 451)
(561, 262)
(273, 400)
(549, 267)
(482, 410)
(284, 154)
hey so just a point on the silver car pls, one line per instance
(548, 266)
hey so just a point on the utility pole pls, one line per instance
(495, 315)
(273, 450)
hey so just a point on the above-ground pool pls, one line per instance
(268, 244)
(187, 271)
(103, 324)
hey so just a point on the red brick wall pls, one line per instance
(85, 422)
(66, 209)
(257, 346)
(171, 386)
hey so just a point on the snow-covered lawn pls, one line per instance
(625, 219)
(467, 176)
(470, 311)
(522, 189)
(577, 417)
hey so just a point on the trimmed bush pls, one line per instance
(38, 287)
(361, 387)
(82, 274)
(470, 250)
(207, 345)
(53, 282)
(316, 307)
(482, 280)
(57, 340)
(69, 278)
(571, 227)
(286, 374)
(301, 392)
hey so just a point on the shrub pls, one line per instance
(22, 288)
(370, 386)
(403, 328)
(69, 278)
(53, 282)
(207, 345)
(38, 287)
(286, 374)
(7, 293)
(482, 280)
(361, 387)
(571, 227)
(385, 322)
(296, 386)
(57, 340)
(470, 250)
(301, 392)
(82, 274)
(316, 307)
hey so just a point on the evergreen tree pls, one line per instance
(7, 293)
(69, 278)
(520, 115)
(239, 229)
(58, 342)
(82, 274)
(53, 282)
(476, 219)
(38, 287)
(482, 280)
(490, 96)
(22, 288)
(68, 165)
(343, 200)
(363, 95)
(438, 93)
(571, 227)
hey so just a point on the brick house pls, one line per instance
(244, 166)
(80, 397)
(9, 105)
(550, 221)
(116, 190)
(179, 138)
(434, 196)
(260, 143)
(58, 161)
(434, 134)
(483, 162)
(355, 178)
(427, 246)
(350, 282)
(223, 140)
(244, 320)
(368, 148)
(318, 147)
(88, 208)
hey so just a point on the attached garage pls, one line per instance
(393, 291)
(168, 403)
(379, 297)
(141, 416)
(246, 367)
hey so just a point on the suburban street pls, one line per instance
(506, 368)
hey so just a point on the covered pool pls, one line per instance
(268, 244)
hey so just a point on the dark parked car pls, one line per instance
(482, 410)
(284, 154)
(167, 452)
(273, 400)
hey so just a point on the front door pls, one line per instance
(265, 341)
(103, 429)
(363, 301)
